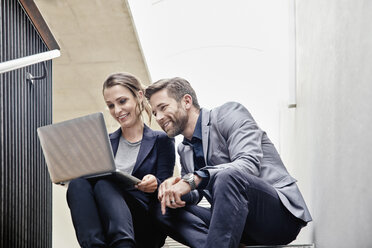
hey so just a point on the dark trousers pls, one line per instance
(105, 215)
(245, 209)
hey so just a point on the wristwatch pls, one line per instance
(189, 178)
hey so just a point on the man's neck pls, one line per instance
(190, 126)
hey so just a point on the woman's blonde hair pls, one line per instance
(133, 85)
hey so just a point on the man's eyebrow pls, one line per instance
(160, 104)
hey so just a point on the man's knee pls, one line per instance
(231, 176)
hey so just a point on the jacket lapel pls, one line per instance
(114, 139)
(205, 132)
(187, 157)
(147, 143)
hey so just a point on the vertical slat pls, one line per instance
(2, 185)
(25, 192)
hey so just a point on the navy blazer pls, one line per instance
(156, 156)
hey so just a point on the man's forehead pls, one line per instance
(160, 97)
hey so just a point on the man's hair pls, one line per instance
(176, 87)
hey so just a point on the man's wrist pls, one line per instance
(190, 179)
(197, 180)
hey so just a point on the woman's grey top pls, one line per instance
(126, 155)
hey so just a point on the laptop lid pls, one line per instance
(77, 147)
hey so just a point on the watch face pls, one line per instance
(188, 176)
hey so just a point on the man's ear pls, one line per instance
(187, 99)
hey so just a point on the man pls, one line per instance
(228, 159)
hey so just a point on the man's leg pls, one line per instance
(84, 213)
(186, 225)
(115, 214)
(268, 221)
(246, 203)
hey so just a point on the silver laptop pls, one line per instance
(80, 148)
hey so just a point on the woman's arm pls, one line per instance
(166, 157)
(164, 165)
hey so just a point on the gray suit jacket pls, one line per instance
(231, 137)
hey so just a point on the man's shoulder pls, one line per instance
(229, 110)
(229, 106)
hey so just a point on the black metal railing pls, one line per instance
(25, 187)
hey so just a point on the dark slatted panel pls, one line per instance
(25, 188)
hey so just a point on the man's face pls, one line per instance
(171, 115)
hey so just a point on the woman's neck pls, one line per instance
(134, 133)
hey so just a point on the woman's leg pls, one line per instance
(84, 213)
(147, 233)
(115, 214)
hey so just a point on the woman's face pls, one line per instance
(123, 105)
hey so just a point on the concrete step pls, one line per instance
(282, 246)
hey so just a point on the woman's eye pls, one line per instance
(110, 106)
(122, 101)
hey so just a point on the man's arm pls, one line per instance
(171, 191)
(243, 139)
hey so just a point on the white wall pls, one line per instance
(229, 51)
(235, 50)
(333, 117)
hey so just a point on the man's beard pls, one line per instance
(179, 124)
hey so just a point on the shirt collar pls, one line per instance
(197, 135)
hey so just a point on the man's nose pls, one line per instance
(159, 116)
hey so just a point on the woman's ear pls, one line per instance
(140, 96)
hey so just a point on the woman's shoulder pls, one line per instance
(115, 134)
(160, 135)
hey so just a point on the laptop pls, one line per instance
(80, 148)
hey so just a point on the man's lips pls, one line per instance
(165, 125)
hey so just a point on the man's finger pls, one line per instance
(163, 206)
(178, 201)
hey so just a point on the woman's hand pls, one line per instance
(148, 184)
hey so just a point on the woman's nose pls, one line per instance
(117, 109)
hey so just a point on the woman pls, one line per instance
(104, 212)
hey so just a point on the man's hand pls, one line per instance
(166, 185)
(148, 184)
(170, 192)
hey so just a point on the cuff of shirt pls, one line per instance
(205, 179)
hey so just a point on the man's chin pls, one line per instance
(171, 133)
